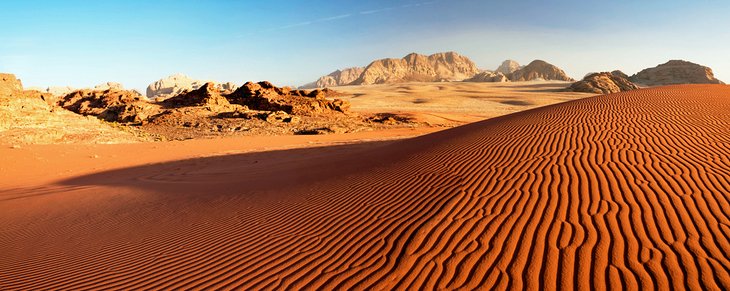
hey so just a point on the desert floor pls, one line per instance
(626, 190)
(455, 103)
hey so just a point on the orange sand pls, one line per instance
(626, 190)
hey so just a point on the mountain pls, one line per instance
(539, 69)
(337, 78)
(675, 72)
(448, 66)
(508, 67)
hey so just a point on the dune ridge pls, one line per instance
(628, 190)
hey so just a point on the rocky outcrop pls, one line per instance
(10, 85)
(603, 83)
(33, 117)
(206, 95)
(539, 70)
(109, 85)
(267, 97)
(448, 66)
(110, 105)
(172, 86)
(178, 84)
(508, 67)
(336, 78)
(619, 73)
(488, 77)
(675, 72)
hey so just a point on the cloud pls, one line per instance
(342, 16)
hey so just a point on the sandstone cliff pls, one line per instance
(508, 67)
(539, 70)
(177, 84)
(448, 66)
(336, 78)
(675, 72)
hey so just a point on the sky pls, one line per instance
(83, 43)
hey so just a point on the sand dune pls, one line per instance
(625, 190)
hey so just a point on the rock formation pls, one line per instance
(603, 83)
(336, 78)
(172, 86)
(109, 85)
(448, 66)
(110, 105)
(206, 95)
(619, 73)
(267, 97)
(508, 67)
(537, 70)
(32, 116)
(675, 72)
(488, 76)
(177, 84)
(9, 85)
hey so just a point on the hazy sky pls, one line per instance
(83, 43)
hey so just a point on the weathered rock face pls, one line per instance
(10, 85)
(448, 66)
(172, 85)
(508, 67)
(267, 97)
(494, 77)
(109, 85)
(336, 78)
(539, 69)
(207, 95)
(675, 72)
(110, 105)
(59, 91)
(603, 83)
(177, 84)
(619, 73)
(225, 88)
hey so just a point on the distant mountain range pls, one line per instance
(447, 66)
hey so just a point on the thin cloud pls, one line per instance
(342, 16)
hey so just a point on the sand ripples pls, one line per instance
(630, 190)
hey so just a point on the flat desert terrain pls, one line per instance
(625, 190)
(454, 103)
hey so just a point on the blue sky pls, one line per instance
(83, 43)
